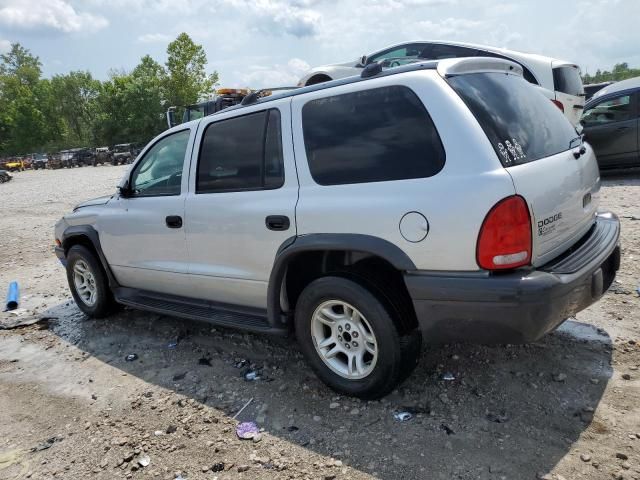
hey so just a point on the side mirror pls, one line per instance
(124, 191)
(171, 117)
(363, 61)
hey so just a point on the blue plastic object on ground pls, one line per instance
(13, 296)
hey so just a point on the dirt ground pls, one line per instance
(72, 407)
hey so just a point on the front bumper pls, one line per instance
(520, 306)
(61, 256)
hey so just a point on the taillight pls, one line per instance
(558, 104)
(505, 237)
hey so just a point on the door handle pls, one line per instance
(277, 222)
(174, 221)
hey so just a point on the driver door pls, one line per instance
(143, 237)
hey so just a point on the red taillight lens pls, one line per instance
(505, 237)
(558, 104)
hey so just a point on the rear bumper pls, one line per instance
(521, 306)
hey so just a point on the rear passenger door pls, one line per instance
(241, 203)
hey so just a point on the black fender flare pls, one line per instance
(295, 246)
(73, 233)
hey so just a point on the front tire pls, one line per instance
(88, 282)
(351, 340)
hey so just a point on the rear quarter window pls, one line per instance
(567, 80)
(521, 123)
(375, 135)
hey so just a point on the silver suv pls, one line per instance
(441, 201)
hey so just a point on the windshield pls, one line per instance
(520, 122)
(121, 148)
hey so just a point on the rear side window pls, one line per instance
(242, 153)
(567, 80)
(521, 123)
(374, 135)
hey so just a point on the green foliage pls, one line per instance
(621, 71)
(77, 110)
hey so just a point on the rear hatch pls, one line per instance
(536, 144)
(569, 89)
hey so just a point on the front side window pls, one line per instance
(617, 109)
(375, 135)
(242, 153)
(159, 173)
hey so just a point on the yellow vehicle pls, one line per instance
(15, 165)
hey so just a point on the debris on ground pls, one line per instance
(13, 296)
(247, 430)
(402, 416)
(131, 357)
(243, 407)
(448, 377)
(144, 461)
(48, 443)
(14, 320)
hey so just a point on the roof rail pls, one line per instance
(253, 97)
(371, 70)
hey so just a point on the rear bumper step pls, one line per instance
(521, 306)
(248, 319)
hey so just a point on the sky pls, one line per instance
(261, 43)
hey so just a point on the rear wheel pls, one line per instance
(350, 339)
(88, 282)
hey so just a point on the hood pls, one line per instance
(93, 201)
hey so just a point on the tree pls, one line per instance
(620, 71)
(22, 123)
(75, 104)
(187, 79)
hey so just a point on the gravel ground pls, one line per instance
(72, 407)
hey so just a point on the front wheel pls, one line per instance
(88, 282)
(350, 339)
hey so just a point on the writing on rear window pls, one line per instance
(511, 151)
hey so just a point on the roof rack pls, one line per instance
(256, 97)
(253, 97)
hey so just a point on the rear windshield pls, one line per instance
(520, 122)
(567, 80)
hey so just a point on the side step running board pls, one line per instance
(249, 319)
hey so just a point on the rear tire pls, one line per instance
(350, 339)
(88, 282)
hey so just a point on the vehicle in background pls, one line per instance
(55, 161)
(15, 164)
(559, 80)
(223, 98)
(592, 88)
(39, 160)
(610, 124)
(366, 215)
(4, 176)
(102, 156)
(122, 154)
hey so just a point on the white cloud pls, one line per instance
(5, 45)
(257, 76)
(50, 14)
(155, 38)
(276, 17)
